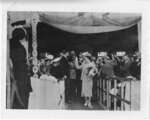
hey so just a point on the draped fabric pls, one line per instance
(88, 23)
(89, 29)
(81, 22)
(84, 23)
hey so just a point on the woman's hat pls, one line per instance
(48, 56)
(87, 54)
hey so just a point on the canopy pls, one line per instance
(83, 22)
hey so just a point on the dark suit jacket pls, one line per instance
(62, 69)
(20, 69)
(64, 66)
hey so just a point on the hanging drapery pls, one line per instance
(83, 22)
(87, 23)
(89, 29)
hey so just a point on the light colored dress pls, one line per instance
(46, 93)
(87, 79)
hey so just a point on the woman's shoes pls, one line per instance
(90, 105)
(86, 104)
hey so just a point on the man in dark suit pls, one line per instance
(60, 70)
(64, 65)
(60, 67)
(18, 54)
(64, 72)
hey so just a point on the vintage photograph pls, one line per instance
(73, 61)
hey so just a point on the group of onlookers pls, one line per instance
(80, 71)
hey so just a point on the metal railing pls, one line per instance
(111, 92)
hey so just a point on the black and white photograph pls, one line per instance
(73, 61)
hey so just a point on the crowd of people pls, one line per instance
(77, 70)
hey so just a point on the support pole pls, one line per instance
(139, 36)
(34, 22)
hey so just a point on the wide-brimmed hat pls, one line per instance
(86, 54)
(49, 56)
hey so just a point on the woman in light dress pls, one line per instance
(88, 72)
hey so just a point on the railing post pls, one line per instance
(108, 88)
(109, 93)
(122, 95)
(100, 92)
(115, 99)
(104, 91)
(130, 94)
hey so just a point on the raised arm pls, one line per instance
(77, 64)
